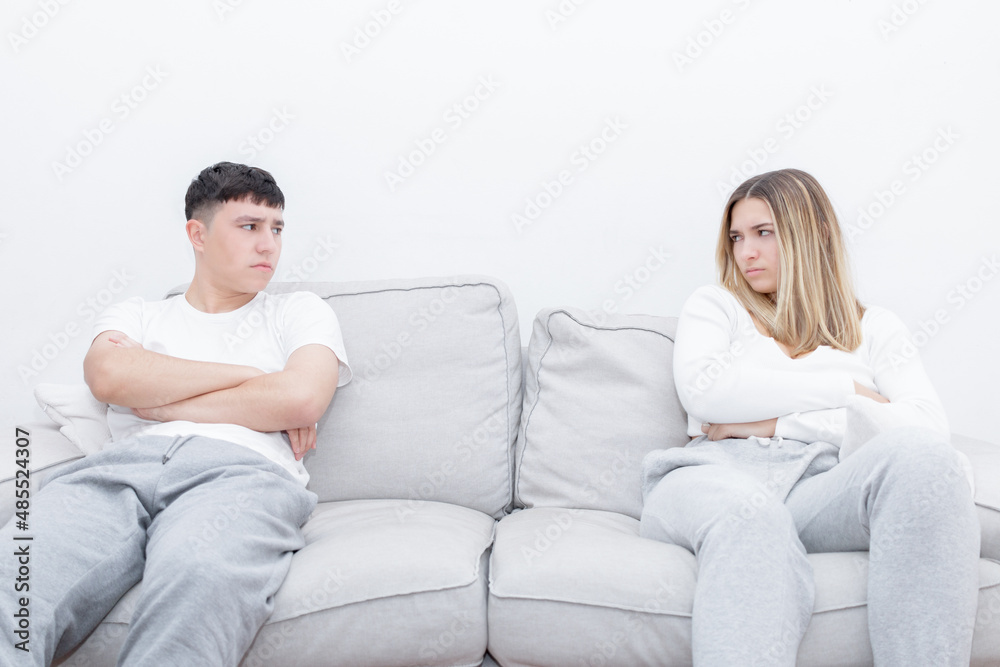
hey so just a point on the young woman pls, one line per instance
(784, 376)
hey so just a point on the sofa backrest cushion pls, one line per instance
(434, 406)
(599, 395)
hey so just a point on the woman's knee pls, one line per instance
(923, 470)
(918, 454)
(693, 504)
(911, 438)
(702, 491)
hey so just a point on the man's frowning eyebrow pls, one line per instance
(243, 219)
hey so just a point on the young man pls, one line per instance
(214, 396)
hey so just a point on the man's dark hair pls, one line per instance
(227, 181)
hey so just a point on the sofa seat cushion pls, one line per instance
(379, 582)
(383, 582)
(580, 587)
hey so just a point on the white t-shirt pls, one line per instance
(727, 372)
(263, 334)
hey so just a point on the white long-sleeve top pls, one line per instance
(727, 372)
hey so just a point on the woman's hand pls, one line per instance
(761, 429)
(861, 390)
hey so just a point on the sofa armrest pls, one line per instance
(49, 451)
(985, 459)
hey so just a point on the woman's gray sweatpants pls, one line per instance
(208, 526)
(902, 497)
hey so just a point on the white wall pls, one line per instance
(148, 94)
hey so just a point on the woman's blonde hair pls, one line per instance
(815, 303)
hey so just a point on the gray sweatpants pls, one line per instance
(208, 526)
(902, 497)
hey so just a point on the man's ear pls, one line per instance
(196, 232)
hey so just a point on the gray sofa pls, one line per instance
(472, 501)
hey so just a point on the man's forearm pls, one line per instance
(271, 402)
(137, 378)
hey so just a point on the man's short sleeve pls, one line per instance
(309, 320)
(124, 316)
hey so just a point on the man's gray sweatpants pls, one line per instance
(208, 526)
(902, 497)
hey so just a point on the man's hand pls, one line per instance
(152, 414)
(118, 339)
(761, 429)
(160, 413)
(302, 440)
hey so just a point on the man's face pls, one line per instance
(242, 245)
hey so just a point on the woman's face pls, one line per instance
(755, 245)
